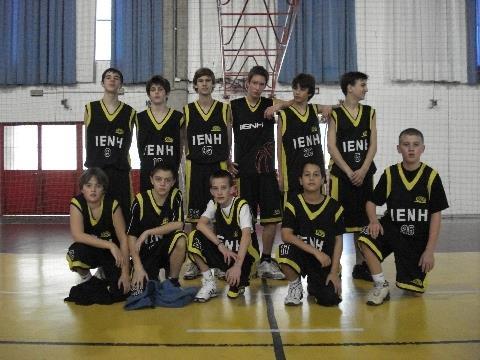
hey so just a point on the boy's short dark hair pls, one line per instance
(311, 162)
(158, 80)
(165, 167)
(112, 70)
(102, 178)
(221, 174)
(305, 81)
(410, 131)
(258, 70)
(202, 72)
(350, 78)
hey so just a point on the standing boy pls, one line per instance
(108, 124)
(255, 157)
(159, 136)
(352, 144)
(311, 229)
(231, 246)
(415, 198)
(155, 235)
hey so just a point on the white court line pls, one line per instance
(317, 330)
(452, 292)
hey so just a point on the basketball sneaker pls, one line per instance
(191, 272)
(208, 289)
(270, 270)
(378, 295)
(295, 293)
(235, 291)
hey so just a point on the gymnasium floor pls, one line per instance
(35, 323)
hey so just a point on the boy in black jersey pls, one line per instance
(253, 127)
(98, 231)
(155, 235)
(108, 124)
(415, 198)
(298, 134)
(312, 230)
(159, 132)
(352, 144)
(231, 246)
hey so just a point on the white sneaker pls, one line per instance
(208, 289)
(270, 270)
(191, 272)
(378, 295)
(295, 293)
(84, 278)
(219, 274)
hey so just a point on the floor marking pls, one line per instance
(317, 330)
(272, 321)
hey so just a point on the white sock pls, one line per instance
(294, 282)
(378, 279)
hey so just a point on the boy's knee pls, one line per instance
(181, 244)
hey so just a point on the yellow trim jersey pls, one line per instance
(353, 138)
(317, 225)
(108, 135)
(254, 136)
(159, 141)
(102, 227)
(207, 137)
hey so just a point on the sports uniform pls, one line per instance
(255, 156)
(158, 142)
(147, 214)
(317, 225)
(301, 142)
(208, 150)
(108, 140)
(352, 140)
(411, 198)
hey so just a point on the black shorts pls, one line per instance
(155, 254)
(307, 265)
(120, 188)
(353, 199)
(197, 187)
(199, 244)
(261, 192)
(88, 257)
(407, 251)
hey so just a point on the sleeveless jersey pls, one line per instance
(301, 142)
(108, 136)
(102, 227)
(408, 201)
(353, 137)
(159, 141)
(207, 132)
(151, 215)
(316, 228)
(227, 227)
(254, 136)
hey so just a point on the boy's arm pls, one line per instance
(333, 149)
(374, 226)
(427, 260)
(232, 167)
(183, 138)
(333, 276)
(120, 231)
(279, 153)
(290, 238)
(278, 105)
(79, 235)
(205, 229)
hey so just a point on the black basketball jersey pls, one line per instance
(254, 136)
(108, 136)
(353, 138)
(102, 227)
(318, 227)
(227, 227)
(301, 142)
(207, 132)
(147, 214)
(408, 201)
(159, 141)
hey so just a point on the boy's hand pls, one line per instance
(337, 283)
(233, 275)
(270, 112)
(117, 255)
(326, 111)
(228, 255)
(323, 258)
(138, 278)
(357, 177)
(124, 280)
(232, 167)
(374, 229)
(140, 241)
(427, 261)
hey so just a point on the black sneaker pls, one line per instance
(361, 272)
